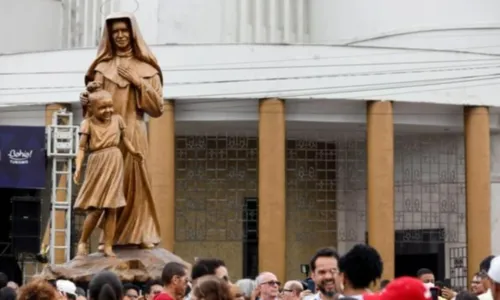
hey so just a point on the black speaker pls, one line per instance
(25, 224)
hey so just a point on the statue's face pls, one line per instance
(103, 109)
(120, 32)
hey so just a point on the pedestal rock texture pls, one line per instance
(130, 264)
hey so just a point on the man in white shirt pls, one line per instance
(324, 270)
(485, 267)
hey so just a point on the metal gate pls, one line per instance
(458, 268)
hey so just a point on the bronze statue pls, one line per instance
(128, 70)
(102, 191)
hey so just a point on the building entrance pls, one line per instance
(417, 249)
(409, 264)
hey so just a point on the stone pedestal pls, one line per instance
(130, 264)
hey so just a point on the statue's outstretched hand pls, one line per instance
(84, 98)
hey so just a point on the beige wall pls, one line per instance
(214, 174)
(311, 207)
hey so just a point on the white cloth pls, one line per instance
(486, 296)
(66, 286)
(494, 271)
(429, 285)
(358, 297)
(316, 296)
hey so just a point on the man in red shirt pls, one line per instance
(175, 280)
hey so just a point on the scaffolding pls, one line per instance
(62, 146)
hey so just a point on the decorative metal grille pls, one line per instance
(430, 187)
(430, 199)
(325, 194)
(214, 175)
(311, 184)
(351, 188)
(458, 268)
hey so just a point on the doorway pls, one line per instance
(420, 248)
(409, 264)
(251, 237)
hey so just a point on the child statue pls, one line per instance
(102, 191)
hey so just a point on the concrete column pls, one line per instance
(60, 238)
(272, 206)
(478, 189)
(380, 181)
(161, 164)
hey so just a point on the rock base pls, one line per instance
(130, 264)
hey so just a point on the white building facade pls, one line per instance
(328, 62)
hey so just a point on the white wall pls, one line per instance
(326, 22)
(29, 25)
(259, 21)
(22, 116)
(232, 21)
(348, 21)
(191, 21)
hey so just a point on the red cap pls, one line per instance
(407, 288)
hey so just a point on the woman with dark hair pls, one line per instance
(359, 268)
(211, 287)
(105, 286)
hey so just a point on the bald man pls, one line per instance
(268, 286)
(292, 290)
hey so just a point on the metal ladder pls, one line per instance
(62, 145)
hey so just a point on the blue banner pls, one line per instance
(22, 157)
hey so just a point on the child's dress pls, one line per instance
(103, 183)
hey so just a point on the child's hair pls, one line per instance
(96, 92)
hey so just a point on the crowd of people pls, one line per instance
(352, 276)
